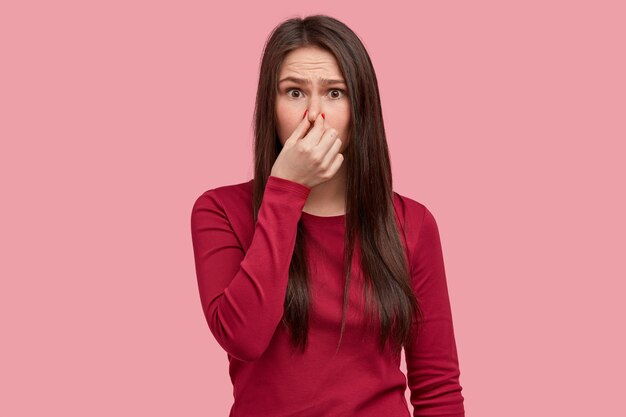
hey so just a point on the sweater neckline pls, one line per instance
(314, 219)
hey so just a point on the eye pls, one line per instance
(341, 91)
(293, 89)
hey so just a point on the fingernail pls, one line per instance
(323, 117)
(305, 113)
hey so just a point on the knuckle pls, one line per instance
(316, 159)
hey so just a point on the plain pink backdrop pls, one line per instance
(507, 119)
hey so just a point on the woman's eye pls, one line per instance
(293, 89)
(342, 92)
(339, 90)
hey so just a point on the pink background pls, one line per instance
(507, 119)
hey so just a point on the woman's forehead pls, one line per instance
(305, 67)
(309, 57)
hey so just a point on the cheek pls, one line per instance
(282, 120)
(345, 130)
(288, 116)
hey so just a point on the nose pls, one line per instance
(314, 109)
(312, 115)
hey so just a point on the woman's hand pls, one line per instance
(312, 159)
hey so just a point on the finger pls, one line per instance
(314, 135)
(327, 141)
(336, 164)
(332, 152)
(301, 129)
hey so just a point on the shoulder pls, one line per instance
(232, 202)
(410, 211)
(226, 195)
(419, 224)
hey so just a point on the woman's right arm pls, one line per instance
(242, 294)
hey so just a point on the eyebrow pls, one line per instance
(325, 81)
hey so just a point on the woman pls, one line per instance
(315, 274)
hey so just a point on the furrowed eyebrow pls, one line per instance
(324, 81)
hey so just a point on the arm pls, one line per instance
(432, 362)
(242, 294)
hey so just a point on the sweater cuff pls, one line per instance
(285, 184)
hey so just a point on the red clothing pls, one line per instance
(242, 272)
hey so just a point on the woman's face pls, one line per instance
(313, 66)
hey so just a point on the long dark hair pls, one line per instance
(369, 194)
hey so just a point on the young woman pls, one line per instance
(315, 274)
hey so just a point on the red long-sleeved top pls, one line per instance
(242, 273)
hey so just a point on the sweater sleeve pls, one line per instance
(242, 294)
(432, 361)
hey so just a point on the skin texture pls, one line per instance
(293, 98)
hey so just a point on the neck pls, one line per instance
(328, 198)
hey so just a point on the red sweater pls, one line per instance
(242, 272)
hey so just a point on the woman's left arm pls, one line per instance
(431, 359)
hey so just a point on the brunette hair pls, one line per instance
(370, 217)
